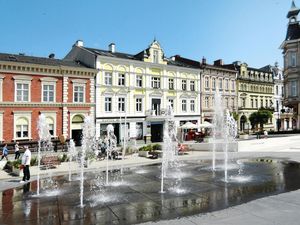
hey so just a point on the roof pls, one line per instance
(293, 11)
(139, 56)
(39, 60)
(293, 32)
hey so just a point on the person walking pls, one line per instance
(26, 158)
(17, 151)
(4, 152)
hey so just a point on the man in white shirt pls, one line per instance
(26, 158)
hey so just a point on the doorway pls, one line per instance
(157, 132)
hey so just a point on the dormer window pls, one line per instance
(155, 56)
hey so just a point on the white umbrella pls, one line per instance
(205, 125)
(189, 125)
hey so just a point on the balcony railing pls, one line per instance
(159, 112)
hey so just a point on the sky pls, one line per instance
(249, 31)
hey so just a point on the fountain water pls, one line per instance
(44, 143)
(224, 132)
(71, 154)
(88, 149)
(170, 145)
(111, 143)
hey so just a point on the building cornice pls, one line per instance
(44, 105)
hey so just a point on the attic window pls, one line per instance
(155, 56)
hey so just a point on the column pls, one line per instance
(65, 127)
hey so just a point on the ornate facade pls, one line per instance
(291, 55)
(29, 86)
(139, 87)
(255, 89)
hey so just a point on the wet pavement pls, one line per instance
(134, 197)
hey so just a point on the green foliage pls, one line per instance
(146, 148)
(156, 147)
(33, 161)
(16, 164)
(63, 158)
(235, 116)
(260, 117)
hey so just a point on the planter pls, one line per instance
(17, 172)
(143, 153)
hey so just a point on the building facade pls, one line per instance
(214, 78)
(291, 55)
(255, 88)
(29, 86)
(138, 88)
(283, 116)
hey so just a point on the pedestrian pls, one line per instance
(4, 152)
(17, 151)
(26, 158)
(266, 134)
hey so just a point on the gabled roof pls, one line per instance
(39, 60)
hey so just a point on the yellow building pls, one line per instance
(255, 89)
(140, 87)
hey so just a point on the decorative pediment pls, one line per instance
(184, 95)
(243, 95)
(122, 92)
(108, 91)
(157, 93)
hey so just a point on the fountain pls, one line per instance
(224, 132)
(44, 144)
(111, 143)
(72, 153)
(170, 146)
(88, 149)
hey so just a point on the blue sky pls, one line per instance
(244, 30)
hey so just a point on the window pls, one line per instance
(261, 103)
(171, 84)
(256, 103)
(155, 82)
(183, 85)
(252, 103)
(139, 81)
(48, 93)
(232, 85)
(220, 84)
(51, 126)
(232, 103)
(292, 61)
(243, 102)
(277, 106)
(183, 105)
(206, 102)
(192, 85)
(108, 78)
(226, 85)
(121, 80)
(78, 93)
(138, 105)
(108, 104)
(171, 102)
(227, 103)
(22, 128)
(121, 104)
(266, 103)
(155, 56)
(206, 82)
(214, 83)
(277, 91)
(192, 105)
(294, 88)
(22, 92)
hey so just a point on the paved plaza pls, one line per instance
(274, 209)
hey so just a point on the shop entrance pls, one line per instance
(157, 132)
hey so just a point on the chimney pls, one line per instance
(203, 61)
(218, 62)
(112, 47)
(79, 43)
(51, 56)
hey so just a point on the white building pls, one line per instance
(139, 87)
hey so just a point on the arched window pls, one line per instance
(22, 127)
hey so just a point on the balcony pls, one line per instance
(154, 113)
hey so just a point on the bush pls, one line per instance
(156, 147)
(16, 164)
(146, 148)
(33, 161)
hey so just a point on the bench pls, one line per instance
(50, 161)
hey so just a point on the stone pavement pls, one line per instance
(278, 209)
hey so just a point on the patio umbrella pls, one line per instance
(205, 125)
(189, 125)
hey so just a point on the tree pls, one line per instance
(260, 117)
